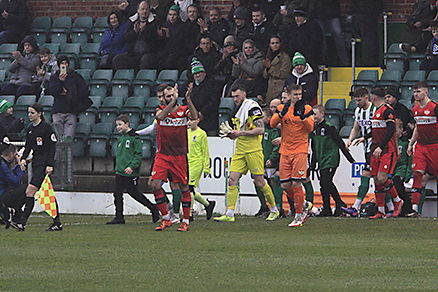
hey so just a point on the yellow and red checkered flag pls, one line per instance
(46, 197)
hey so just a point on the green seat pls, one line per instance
(415, 60)
(8, 98)
(433, 76)
(333, 120)
(351, 107)
(80, 139)
(395, 58)
(145, 77)
(335, 106)
(406, 103)
(46, 101)
(121, 82)
(24, 101)
(98, 139)
(88, 117)
(133, 107)
(345, 131)
(98, 29)
(100, 81)
(60, 28)
(147, 147)
(6, 50)
(123, 75)
(85, 73)
(167, 76)
(81, 28)
(110, 108)
(410, 78)
(4, 63)
(40, 28)
(348, 119)
(223, 117)
(141, 90)
(226, 105)
(149, 117)
(72, 52)
(88, 56)
(53, 47)
(97, 102)
(145, 125)
(183, 77)
(389, 78)
(152, 104)
(366, 78)
(82, 130)
(2, 75)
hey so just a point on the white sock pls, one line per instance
(396, 199)
(230, 213)
(166, 217)
(176, 216)
(273, 209)
(356, 204)
(415, 207)
(186, 221)
(381, 210)
(390, 206)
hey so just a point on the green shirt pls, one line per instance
(270, 152)
(129, 153)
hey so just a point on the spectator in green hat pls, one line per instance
(8, 123)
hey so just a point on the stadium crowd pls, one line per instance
(265, 57)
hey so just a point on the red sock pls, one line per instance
(380, 196)
(392, 191)
(186, 202)
(416, 188)
(160, 201)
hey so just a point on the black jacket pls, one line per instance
(17, 20)
(146, 41)
(206, 98)
(10, 124)
(217, 31)
(42, 140)
(261, 34)
(209, 60)
(77, 93)
(326, 9)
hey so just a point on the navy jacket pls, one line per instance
(112, 43)
(9, 177)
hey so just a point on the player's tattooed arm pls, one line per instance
(258, 130)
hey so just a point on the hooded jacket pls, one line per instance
(111, 42)
(17, 21)
(24, 68)
(308, 81)
(251, 68)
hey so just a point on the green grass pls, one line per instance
(326, 254)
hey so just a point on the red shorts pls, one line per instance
(426, 158)
(172, 167)
(386, 163)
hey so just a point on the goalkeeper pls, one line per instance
(199, 162)
(247, 130)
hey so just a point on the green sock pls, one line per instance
(309, 191)
(261, 197)
(192, 202)
(199, 198)
(363, 188)
(388, 198)
(177, 195)
(422, 199)
(278, 192)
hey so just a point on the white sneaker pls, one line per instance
(307, 207)
(175, 220)
(298, 221)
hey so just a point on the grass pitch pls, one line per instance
(326, 254)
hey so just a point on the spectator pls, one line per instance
(160, 8)
(284, 17)
(270, 7)
(184, 7)
(71, 97)
(49, 65)
(224, 67)
(142, 40)
(248, 68)
(327, 13)
(172, 31)
(217, 27)
(277, 67)
(247, 4)
(305, 37)
(22, 69)
(417, 36)
(365, 15)
(13, 20)
(193, 27)
(242, 27)
(431, 61)
(205, 97)
(208, 54)
(302, 74)
(8, 123)
(112, 43)
(261, 29)
(128, 7)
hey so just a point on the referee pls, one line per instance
(41, 139)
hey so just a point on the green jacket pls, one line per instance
(129, 153)
(270, 152)
(326, 143)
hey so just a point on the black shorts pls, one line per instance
(38, 175)
(367, 161)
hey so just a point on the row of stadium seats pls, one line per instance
(397, 59)
(63, 29)
(369, 79)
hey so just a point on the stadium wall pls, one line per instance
(73, 8)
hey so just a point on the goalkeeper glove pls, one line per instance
(224, 129)
(285, 109)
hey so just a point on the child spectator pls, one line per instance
(49, 66)
(8, 123)
(431, 61)
(326, 143)
(128, 160)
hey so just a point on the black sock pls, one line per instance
(29, 202)
(57, 219)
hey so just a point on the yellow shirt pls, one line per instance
(198, 155)
(248, 144)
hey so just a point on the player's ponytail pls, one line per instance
(39, 109)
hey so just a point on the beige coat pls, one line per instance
(280, 69)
